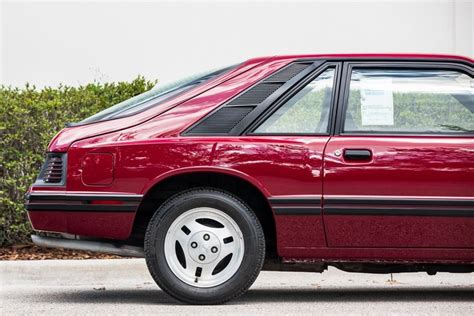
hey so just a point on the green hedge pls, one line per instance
(29, 119)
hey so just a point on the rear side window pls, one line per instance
(307, 112)
(410, 101)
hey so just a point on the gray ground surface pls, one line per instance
(125, 287)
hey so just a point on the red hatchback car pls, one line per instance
(295, 163)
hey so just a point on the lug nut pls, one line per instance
(214, 249)
(194, 244)
(202, 257)
(206, 236)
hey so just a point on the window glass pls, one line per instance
(157, 95)
(306, 112)
(413, 101)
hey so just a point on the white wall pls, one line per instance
(47, 43)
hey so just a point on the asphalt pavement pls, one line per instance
(123, 286)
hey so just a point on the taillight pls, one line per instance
(53, 171)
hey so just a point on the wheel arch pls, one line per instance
(205, 169)
(245, 187)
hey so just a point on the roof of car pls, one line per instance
(377, 56)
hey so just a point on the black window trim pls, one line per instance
(342, 104)
(291, 92)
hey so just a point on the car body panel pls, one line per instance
(401, 168)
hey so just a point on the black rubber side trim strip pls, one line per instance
(399, 212)
(279, 210)
(295, 201)
(81, 207)
(85, 197)
(388, 201)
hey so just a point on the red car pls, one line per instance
(295, 163)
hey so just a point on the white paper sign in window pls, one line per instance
(376, 101)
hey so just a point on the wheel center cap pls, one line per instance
(204, 247)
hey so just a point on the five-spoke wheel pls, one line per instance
(204, 247)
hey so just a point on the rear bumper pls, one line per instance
(93, 215)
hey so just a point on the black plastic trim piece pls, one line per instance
(295, 201)
(80, 207)
(83, 197)
(288, 72)
(336, 97)
(389, 201)
(282, 210)
(357, 154)
(49, 155)
(222, 121)
(399, 212)
(339, 105)
(81, 202)
(296, 205)
(257, 94)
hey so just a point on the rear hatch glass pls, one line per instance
(154, 97)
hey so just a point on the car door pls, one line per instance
(399, 171)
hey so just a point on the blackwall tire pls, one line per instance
(204, 246)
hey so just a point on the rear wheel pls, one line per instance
(204, 246)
